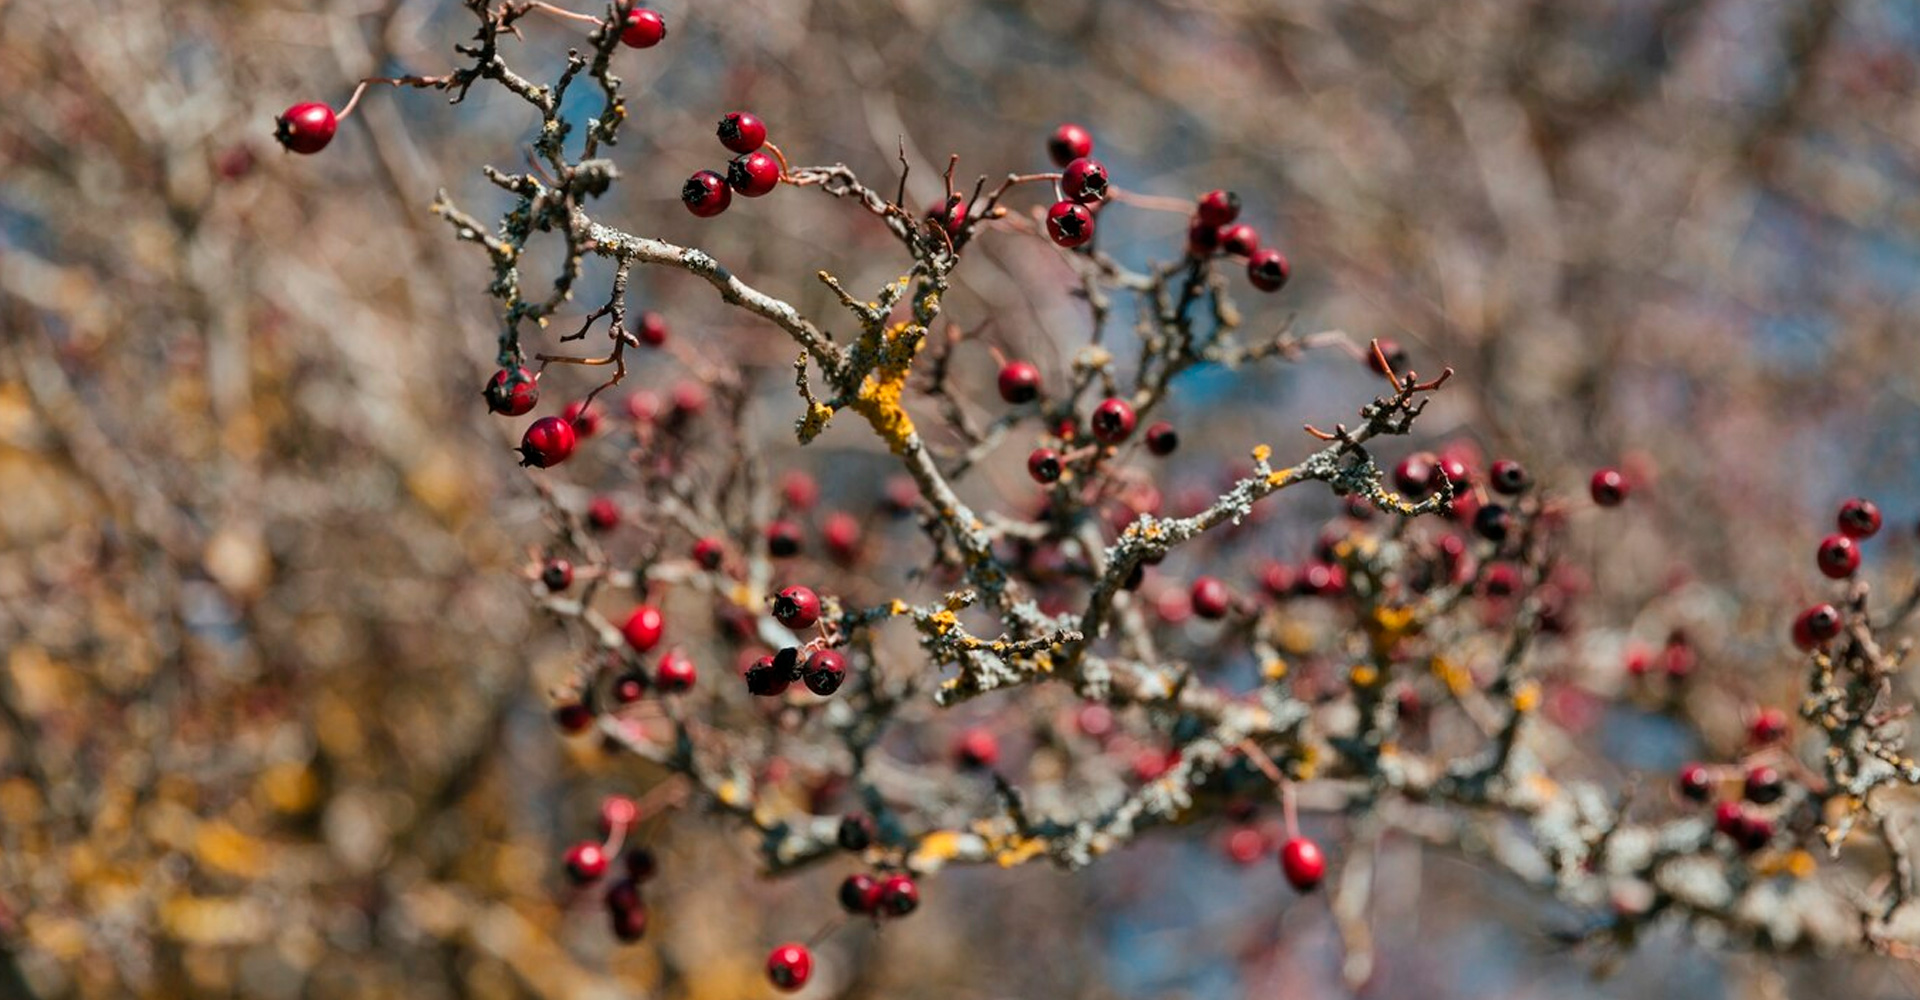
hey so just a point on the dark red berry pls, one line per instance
(641, 865)
(1044, 465)
(547, 443)
(1816, 626)
(1696, 783)
(1508, 477)
(556, 575)
(1019, 382)
(898, 895)
(1268, 269)
(1838, 556)
(1502, 580)
(644, 29)
(629, 922)
(1414, 476)
(796, 607)
(1729, 817)
(950, 214)
(584, 419)
(742, 132)
(784, 539)
(586, 862)
(1069, 224)
(512, 392)
(1303, 863)
(1764, 785)
(603, 514)
(643, 628)
(1218, 208)
(1455, 470)
(753, 174)
(623, 895)
(824, 672)
(1755, 832)
(1162, 439)
(572, 717)
(1492, 522)
(1211, 598)
(629, 687)
(708, 552)
(675, 672)
(860, 893)
(653, 333)
(768, 677)
(306, 128)
(1068, 143)
(856, 832)
(977, 748)
(1085, 181)
(1113, 420)
(790, 966)
(1202, 240)
(1768, 726)
(1240, 239)
(1859, 518)
(1608, 487)
(706, 194)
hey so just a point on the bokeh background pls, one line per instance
(273, 719)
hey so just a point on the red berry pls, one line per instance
(1113, 420)
(1068, 143)
(1508, 478)
(653, 333)
(556, 575)
(617, 812)
(1202, 239)
(1493, 522)
(586, 862)
(1044, 465)
(1414, 476)
(1085, 181)
(798, 490)
(856, 832)
(753, 174)
(1276, 578)
(585, 419)
(1303, 864)
(689, 400)
(898, 895)
(1094, 719)
(1764, 785)
(629, 687)
(512, 392)
(1321, 580)
(547, 443)
(1816, 626)
(572, 717)
(1502, 580)
(742, 132)
(1455, 469)
(784, 539)
(1019, 382)
(790, 966)
(1608, 487)
(842, 534)
(1859, 518)
(675, 672)
(644, 29)
(1240, 239)
(1268, 269)
(768, 677)
(1245, 845)
(1069, 224)
(708, 552)
(1162, 439)
(643, 406)
(1218, 208)
(706, 194)
(306, 128)
(950, 214)
(860, 893)
(1211, 598)
(603, 514)
(1838, 556)
(1696, 783)
(796, 607)
(643, 628)
(977, 748)
(824, 672)
(1769, 726)
(629, 922)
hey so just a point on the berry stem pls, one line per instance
(562, 12)
(419, 82)
(786, 172)
(1289, 810)
(826, 930)
(1151, 202)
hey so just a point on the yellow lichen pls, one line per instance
(1526, 697)
(1261, 452)
(1279, 478)
(1274, 669)
(809, 426)
(880, 392)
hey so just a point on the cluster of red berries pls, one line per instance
(751, 172)
(892, 895)
(1083, 186)
(1746, 821)
(1215, 229)
(587, 863)
(1837, 557)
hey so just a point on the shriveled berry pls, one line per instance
(1816, 626)
(512, 392)
(1303, 863)
(1608, 487)
(675, 672)
(644, 29)
(1069, 224)
(1211, 598)
(1019, 382)
(790, 966)
(753, 174)
(1838, 556)
(1508, 477)
(306, 128)
(742, 132)
(1217, 208)
(1858, 518)
(1268, 269)
(706, 194)
(556, 575)
(824, 672)
(1085, 181)
(898, 895)
(1044, 465)
(643, 628)
(1162, 439)
(586, 862)
(768, 677)
(796, 607)
(1113, 420)
(547, 443)
(1068, 143)
(1240, 239)
(860, 893)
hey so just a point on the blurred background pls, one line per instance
(273, 719)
